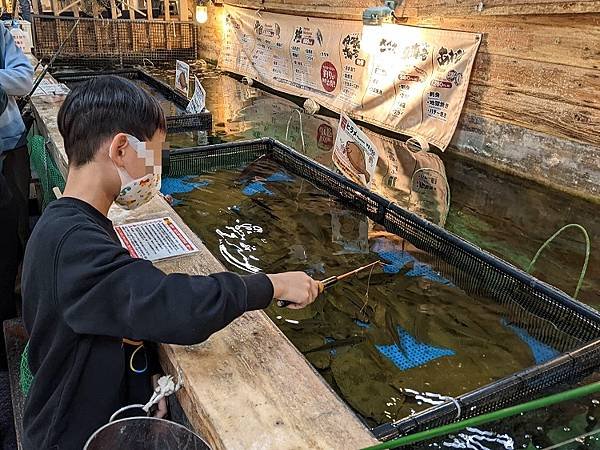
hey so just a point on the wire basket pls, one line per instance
(115, 41)
(546, 313)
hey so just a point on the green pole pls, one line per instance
(489, 417)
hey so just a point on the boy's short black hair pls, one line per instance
(101, 107)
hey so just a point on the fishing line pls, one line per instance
(367, 293)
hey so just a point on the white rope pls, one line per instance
(164, 387)
(456, 403)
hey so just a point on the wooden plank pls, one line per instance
(424, 8)
(441, 8)
(546, 81)
(149, 11)
(240, 378)
(555, 162)
(564, 120)
(333, 10)
(553, 39)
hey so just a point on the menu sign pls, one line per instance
(406, 79)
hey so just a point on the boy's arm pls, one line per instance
(102, 290)
(17, 76)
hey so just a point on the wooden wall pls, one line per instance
(533, 106)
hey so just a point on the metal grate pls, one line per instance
(175, 123)
(115, 41)
(547, 314)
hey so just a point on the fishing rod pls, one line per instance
(24, 100)
(328, 282)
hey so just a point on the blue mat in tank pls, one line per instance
(541, 352)
(413, 353)
(259, 187)
(396, 258)
(256, 187)
(182, 185)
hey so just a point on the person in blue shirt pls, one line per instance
(16, 79)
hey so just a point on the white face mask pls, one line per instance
(136, 192)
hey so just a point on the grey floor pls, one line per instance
(7, 430)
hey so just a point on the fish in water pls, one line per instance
(357, 158)
(339, 343)
(182, 82)
(392, 330)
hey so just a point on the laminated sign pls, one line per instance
(354, 154)
(182, 77)
(198, 101)
(406, 79)
(155, 239)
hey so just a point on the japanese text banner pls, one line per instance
(406, 79)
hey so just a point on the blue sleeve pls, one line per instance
(17, 76)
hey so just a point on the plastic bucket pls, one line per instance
(144, 433)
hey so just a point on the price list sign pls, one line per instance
(155, 239)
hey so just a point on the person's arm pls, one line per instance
(102, 290)
(17, 76)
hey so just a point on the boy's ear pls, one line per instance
(117, 148)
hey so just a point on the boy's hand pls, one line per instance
(296, 287)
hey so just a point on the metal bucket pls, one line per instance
(144, 433)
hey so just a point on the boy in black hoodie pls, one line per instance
(85, 299)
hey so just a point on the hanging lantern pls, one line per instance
(201, 13)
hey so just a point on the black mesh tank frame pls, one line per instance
(175, 124)
(546, 313)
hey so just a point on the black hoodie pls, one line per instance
(82, 294)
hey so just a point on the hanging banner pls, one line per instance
(182, 77)
(406, 79)
(198, 101)
(354, 154)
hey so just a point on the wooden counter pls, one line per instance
(247, 386)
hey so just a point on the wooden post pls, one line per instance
(183, 10)
(113, 9)
(97, 35)
(55, 7)
(78, 30)
(149, 26)
(131, 10)
(167, 7)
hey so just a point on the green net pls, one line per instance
(25, 377)
(45, 167)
